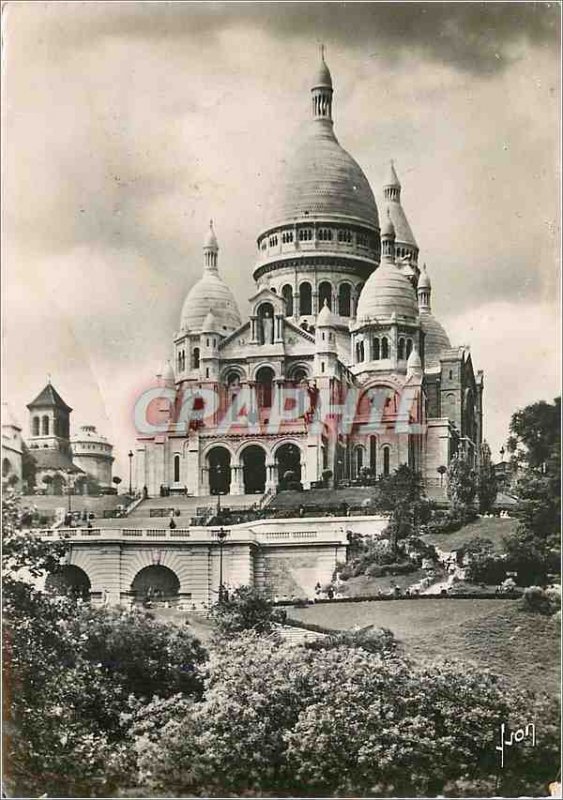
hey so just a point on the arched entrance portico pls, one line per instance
(288, 463)
(219, 463)
(71, 580)
(253, 460)
(155, 583)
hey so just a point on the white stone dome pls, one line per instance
(436, 339)
(387, 291)
(320, 179)
(325, 318)
(210, 293)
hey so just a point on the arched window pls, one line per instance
(176, 468)
(376, 350)
(360, 353)
(344, 297)
(45, 426)
(386, 460)
(325, 293)
(195, 358)
(373, 455)
(35, 426)
(305, 299)
(384, 348)
(287, 294)
(264, 385)
(401, 351)
(409, 347)
(359, 288)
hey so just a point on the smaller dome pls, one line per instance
(387, 291)
(325, 318)
(323, 78)
(166, 372)
(436, 340)
(424, 279)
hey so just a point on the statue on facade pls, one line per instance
(267, 328)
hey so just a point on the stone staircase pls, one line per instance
(189, 507)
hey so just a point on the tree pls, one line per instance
(244, 608)
(486, 480)
(461, 487)
(403, 495)
(536, 434)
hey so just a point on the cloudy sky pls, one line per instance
(126, 126)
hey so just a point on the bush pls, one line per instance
(541, 601)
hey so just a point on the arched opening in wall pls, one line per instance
(305, 298)
(376, 349)
(155, 584)
(386, 460)
(6, 467)
(254, 469)
(360, 352)
(358, 461)
(177, 468)
(401, 350)
(409, 347)
(35, 426)
(345, 300)
(288, 462)
(70, 580)
(325, 293)
(264, 387)
(265, 323)
(373, 455)
(384, 347)
(287, 294)
(219, 463)
(45, 426)
(195, 358)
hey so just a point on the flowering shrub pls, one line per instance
(340, 720)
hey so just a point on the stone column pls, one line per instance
(237, 479)
(253, 329)
(278, 330)
(271, 477)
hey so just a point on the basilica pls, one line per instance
(341, 370)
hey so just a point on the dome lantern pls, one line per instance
(424, 290)
(322, 91)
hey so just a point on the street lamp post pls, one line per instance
(221, 536)
(130, 457)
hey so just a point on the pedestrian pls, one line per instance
(171, 524)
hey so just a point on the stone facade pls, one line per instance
(341, 309)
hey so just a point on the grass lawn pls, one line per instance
(494, 529)
(366, 585)
(493, 634)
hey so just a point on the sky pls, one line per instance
(127, 126)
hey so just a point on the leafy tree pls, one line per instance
(403, 495)
(461, 488)
(342, 721)
(535, 434)
(486, 480)
(484, 565)
(29, 468)
(244, 608)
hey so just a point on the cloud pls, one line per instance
(473, 37)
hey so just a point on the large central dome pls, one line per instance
(321, 179)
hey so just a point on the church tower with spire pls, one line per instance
(406, 248)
